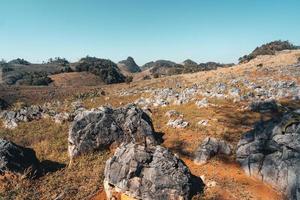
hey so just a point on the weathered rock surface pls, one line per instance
(147, 173)
(17, 159)
(177, 123)
(271, 152)
(209, 148)
(100, 128)
(11, 118)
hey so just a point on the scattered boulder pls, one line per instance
(202, 103)
(209, 148)
(17, 159)
(100, 128)
(147, 173)
(271, 152)
(177, 123)
(203, 122)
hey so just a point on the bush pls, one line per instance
(106, 69)
(128, 79)
(155, 75)
(147, 77)
(19, 61)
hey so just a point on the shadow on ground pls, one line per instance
(48, 166)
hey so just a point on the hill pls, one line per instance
(268, 49)
(129, 65)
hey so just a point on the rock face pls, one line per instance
(98, 129)
(17, 159)
(130, 65)
(209, 148)
(147, 173)
(271, 152)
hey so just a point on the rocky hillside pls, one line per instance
(107, 70)
(268, 49)
(129, 65)
(230, 133)
(167, 68)
(21, 72)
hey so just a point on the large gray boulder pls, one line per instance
(209, 148)
(99, 129)
(147, 173)
(17, 159)
(271, 152)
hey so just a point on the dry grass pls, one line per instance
(82, 180)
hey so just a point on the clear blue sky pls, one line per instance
(211, 30)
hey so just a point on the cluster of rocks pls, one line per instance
(271, 152)
(176, 119)
(90, 94)
(11, 118)
(209, 148)
(140, 168)
(177, 123)
(168, 96)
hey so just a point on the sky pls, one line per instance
(201, 30)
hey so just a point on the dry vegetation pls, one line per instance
(83, 179)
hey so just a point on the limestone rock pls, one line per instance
(17, 159)
(209, 148)
(271, 152)
(177, 123)
(100, 128)
(147, 173)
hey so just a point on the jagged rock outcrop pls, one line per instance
(98, 129)
(17, 159)
(209, 148)
(129, 65)
(147, 173)
(271, 152)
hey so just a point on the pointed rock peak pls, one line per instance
(130, 65)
